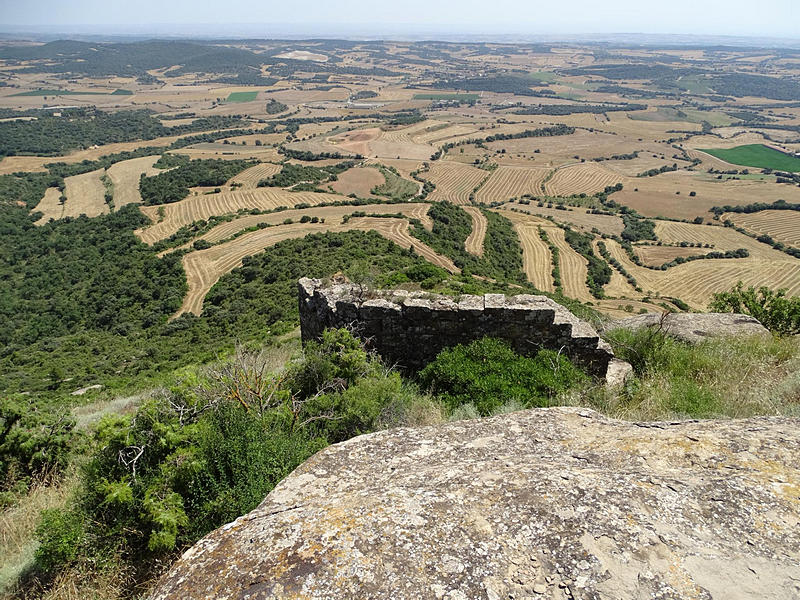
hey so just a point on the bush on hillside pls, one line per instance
(209, 450)
(775, 310)
(488, 374)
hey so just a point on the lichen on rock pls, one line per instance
(546, 503)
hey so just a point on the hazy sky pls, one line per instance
(775, 18)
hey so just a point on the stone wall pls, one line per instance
(408, 329)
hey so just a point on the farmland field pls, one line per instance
(454, 181)
(205, 267)
(757, 155)
(510, 182)
(446, 96)
(241, 96)
(474, 243)
(125, 179)
(586, 178)
(781, 225)
(85, 195)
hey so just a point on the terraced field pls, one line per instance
(85, 195)
(573, 267)
(249, 178)
(781, 225)
(721, 238)
(359, 181)
(618, 287)
(578, 218)
(331, 214)
(442, 135)
(510, 182)
(125, 177)
(205, 267)
(586, 178)
(536, 257)
(474, 243)
(194, 208)
(697, 281)
(454, 181)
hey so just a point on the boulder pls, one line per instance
(693, 328)
(546, 503)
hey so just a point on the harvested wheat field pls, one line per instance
(249, 178)
(655, 256)
(720, 238)
(125, 177)
(586, 178)
(697, 281)
(331, 214)
(578, 218)
(454, 181)
(85, 195)
(358, 181)
(537, 261)
(657, 196)
(205, 267)
(195, 208)
(573, 267)
(50, 206)
(781, 225)
(356, 141)
(474, 243)
(510, 182)
(442, 135)
(618, 287)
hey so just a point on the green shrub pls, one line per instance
(35, 441)
(60, 534)
(775, 310)
(487, 373)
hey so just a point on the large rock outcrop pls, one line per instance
(548, 503)
(694, 328)
(409, 329)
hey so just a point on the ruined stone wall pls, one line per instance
(409, 329)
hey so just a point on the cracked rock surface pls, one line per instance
(545, 503)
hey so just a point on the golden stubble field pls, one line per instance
(205, 267)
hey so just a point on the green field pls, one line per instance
(757, 155)
(459, 97)
(242, 96)
(73, 93)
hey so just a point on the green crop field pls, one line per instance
(459, 97)
(242, 96)
(72, 93)
(757, 155)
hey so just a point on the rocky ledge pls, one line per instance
(548, 503)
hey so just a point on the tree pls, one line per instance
(775, 310)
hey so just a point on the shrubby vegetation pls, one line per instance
(502, 257)
(49, 135)
(776, 311)
(173, 185)
(569, 109)
(292, 174)
(487, 374)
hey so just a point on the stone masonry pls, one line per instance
(408, 329)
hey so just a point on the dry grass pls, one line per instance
(536, 256)
(85, 195)
(125, 177)
(50, 206)
(657, 195)
(474, 242)
(358, 181)
(18, 523)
